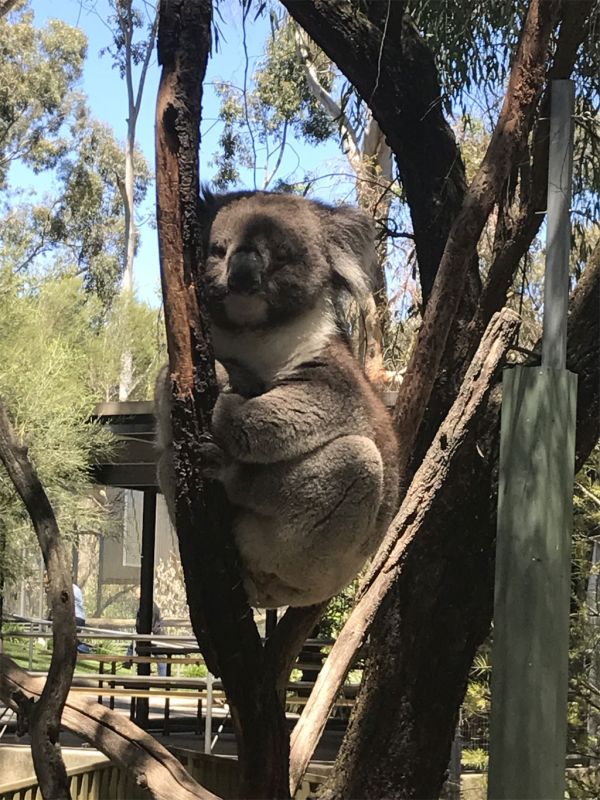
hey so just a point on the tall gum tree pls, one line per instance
(435, 568)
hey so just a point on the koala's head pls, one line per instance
(274, 257)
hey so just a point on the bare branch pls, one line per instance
(146, 60)
(6, 6)
(328, 102)
(132, 748)
(44, 716)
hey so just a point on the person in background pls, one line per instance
(82, 647)
(157, 630)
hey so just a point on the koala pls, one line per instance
(302, 443)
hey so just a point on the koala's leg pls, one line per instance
(305, 527)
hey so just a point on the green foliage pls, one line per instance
(258, 118)
(125, 22)
(476, 759)
(59, 355)
(282, 87)
(127, 327)
(44, 124)
(81, 231)
(338, 611)
(43, 332)
(88, 220)
(38, 72)
(62, 337)
(473, 43)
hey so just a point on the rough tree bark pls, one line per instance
(526, 82)
(43, 716)
(222, 620)
(381, 52)
(522, 224)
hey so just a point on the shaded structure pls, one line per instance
(133, 466)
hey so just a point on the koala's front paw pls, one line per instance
(213, 459)
(242, 381)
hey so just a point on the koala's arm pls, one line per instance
(284, 423)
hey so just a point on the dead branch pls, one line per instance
(117, 737)
(43, 717)
(418, 505)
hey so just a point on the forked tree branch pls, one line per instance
(153, 766)
(43, 717)
(418, 505)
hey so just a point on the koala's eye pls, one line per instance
(281, 257)
(217, 250)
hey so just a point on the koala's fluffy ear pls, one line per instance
(352, 248)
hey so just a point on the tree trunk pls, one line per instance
(380, 51)
(426, 634)
(126, 376)
(222, 620)
(43, 716)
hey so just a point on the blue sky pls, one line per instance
(106, 93)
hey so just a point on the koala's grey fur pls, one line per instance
(302, 443)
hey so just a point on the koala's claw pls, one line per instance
(213, 459)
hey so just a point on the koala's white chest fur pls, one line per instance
(276, 352)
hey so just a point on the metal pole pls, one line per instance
(146, 593)
(530, 654)
(558, 232)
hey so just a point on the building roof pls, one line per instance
(132, 463)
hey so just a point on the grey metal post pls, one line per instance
(558, 235)
(535, 503)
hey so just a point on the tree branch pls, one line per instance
(286, 641)
(6, 6)
(221, 617)
(381, 53)
(44, 716)
(526, 81)
(520, 233)
(128, 746)
(146, 61)
(426, 633)
(419, 503)
(328, 102)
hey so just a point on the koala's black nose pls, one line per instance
(245, 271)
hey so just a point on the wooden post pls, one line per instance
(535, 502)
(558, 239)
